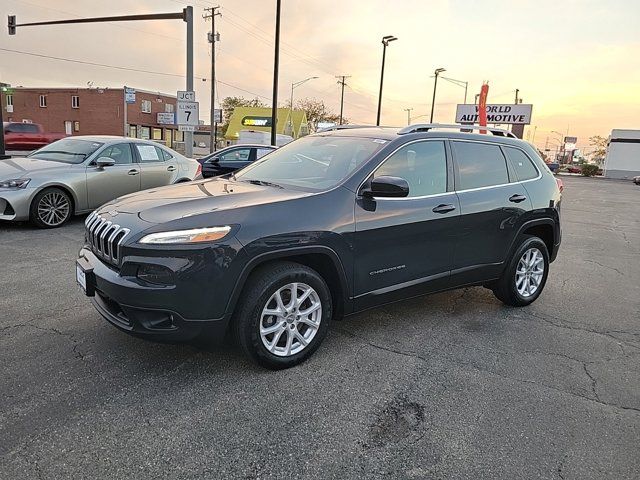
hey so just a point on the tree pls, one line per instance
(316, 112)
(230, 103)
(600, 148)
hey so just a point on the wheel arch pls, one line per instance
(322, 259)
(65, 188)
(543, 228)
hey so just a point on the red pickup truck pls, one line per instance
(27, 136)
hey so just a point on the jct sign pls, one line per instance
(511, 114)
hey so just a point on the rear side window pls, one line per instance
(521, 163)
(422, 164)
(479, 165)
(149, 153)
(261, 152)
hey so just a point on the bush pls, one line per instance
(589, 170)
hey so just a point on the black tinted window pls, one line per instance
(521, 163)
(480, 165)
(120, 153)
(423, 165)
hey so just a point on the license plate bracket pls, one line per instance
(85, 277)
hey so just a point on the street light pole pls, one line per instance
(294, 85)
(408, 110)
(385, 42)
(437, 72)
(213, 134)
(276, 63)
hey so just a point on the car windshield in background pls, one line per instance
(67, 150)
(312, 163)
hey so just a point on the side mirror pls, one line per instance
(386, 186)
(105, 162)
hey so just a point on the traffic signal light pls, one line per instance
(12, 24)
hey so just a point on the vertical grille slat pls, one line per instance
(105, 238)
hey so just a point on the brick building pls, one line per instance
(95, 111)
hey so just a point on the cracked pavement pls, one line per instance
(453, 385)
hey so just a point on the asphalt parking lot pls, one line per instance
(454, 385)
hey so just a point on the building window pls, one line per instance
(75, 101)
(144, 133)
(10, 101)
(76, 126)
(168, 107)
(157, 133)
(133, 131)
(43, 101)
(146, 106)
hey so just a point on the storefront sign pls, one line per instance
(166, 118)
(497, 113)
(254, 121)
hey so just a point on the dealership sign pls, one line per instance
(497, 113)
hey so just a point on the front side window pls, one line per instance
(238, 155)
(422, 164)
(521, 163)
(67, 150)
(479, 165)
(312, 163)
(121, 153)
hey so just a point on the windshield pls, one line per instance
(67, 150)
(312, 163)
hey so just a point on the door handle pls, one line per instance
(517, 198)
(171, 168)
(133, 171)
(443, 208)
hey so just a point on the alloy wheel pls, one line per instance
(290, 319)
(529, 272)
(53, 209)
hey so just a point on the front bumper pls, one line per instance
(159, 312)
(15, 203)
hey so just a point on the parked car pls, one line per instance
(554, 167)
(78, 174)
(27, 136)
(232, 158)
(636, 180)
(574, 169)
(329, 225)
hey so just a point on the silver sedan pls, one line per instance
(78, 174)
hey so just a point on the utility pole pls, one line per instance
(213, 38)
(408, 110)
(342, 83)
(276, 64)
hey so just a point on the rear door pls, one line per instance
(404, 246)
(112, 182)
(156, 169)
(492, 203)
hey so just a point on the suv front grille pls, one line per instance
(104, 237)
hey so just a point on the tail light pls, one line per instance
(560, 184)
(199, 170)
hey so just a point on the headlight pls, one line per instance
(196, 235)
(15, 183)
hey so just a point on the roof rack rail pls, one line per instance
(342, 127)
(425, 127)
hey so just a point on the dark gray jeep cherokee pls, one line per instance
(328, 225)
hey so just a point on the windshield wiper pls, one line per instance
(262, 182)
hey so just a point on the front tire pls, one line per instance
(51, 208)
(526, 273)
(283, 315)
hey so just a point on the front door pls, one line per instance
(491, 207)
(404, 246)
(235, 160)
(112, 182)
(157, 169)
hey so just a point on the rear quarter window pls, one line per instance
(479, 165)
(521, 163)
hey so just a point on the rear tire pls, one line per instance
(526, 273)
(273, 328)
(51, 208)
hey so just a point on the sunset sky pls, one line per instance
(577, 62)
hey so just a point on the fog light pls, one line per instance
(156, 274)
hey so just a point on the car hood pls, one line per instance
(21, 166)
(165, 204)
